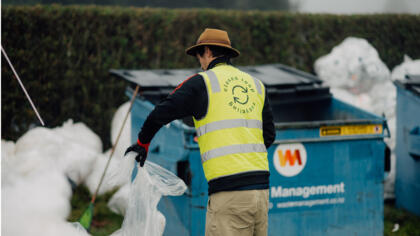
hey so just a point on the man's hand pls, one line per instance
(141, 150)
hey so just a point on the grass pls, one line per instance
(106, 222)
(408, 222)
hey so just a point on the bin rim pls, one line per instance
(410, 83)
(316, 124)
(295, 77)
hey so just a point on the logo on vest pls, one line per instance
(239, 89)
(289, 159)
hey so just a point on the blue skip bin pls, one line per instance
(407, 182)
(326, 165)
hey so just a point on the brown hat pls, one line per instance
(213, 37)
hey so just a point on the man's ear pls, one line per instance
(208, 51)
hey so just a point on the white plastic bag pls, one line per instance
(408, 66)
(78, 228)
(359, 100)
(117, 121)
(7, 149)
(151, 183)
(119, 201)
(81, 134)
(8, 173)
(353, 65)
(120, 175)
(64, 147)
(37, 203)
(117, 175)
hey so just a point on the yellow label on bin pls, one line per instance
(350, 130)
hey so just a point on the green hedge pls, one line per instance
(63, 54)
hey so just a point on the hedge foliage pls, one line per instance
(63, 54)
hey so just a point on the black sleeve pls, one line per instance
(269, 132)
(188, 99)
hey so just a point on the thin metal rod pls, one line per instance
(115, 145)
(23, 87)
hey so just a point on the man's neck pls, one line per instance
(218, 60)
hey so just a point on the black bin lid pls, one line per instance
(284, 84)
(411, 82)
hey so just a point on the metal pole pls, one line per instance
(23, 87)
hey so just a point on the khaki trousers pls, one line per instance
(237, 213)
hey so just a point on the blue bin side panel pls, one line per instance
(407, 183)
(171, 207)
(338, 192)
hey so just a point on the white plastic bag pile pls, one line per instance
(151, 183)
(36, 171)
(357, 76)
(72, 148)
(354, 71)
(35, 188)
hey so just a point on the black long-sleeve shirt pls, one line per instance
(190, 99)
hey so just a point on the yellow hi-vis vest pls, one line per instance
(230, 135)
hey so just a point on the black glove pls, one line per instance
(141, 150)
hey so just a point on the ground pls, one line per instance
(106, 222)
(409, 224)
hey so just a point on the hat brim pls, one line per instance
(191, 50)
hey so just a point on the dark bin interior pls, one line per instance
(295, 96)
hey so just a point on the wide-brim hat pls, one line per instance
(213, 37)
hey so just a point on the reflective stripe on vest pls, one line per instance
(226, 124)
(230, 134)
(257, 85)
(215, 87)
(238, 148)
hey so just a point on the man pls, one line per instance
(234, 126)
